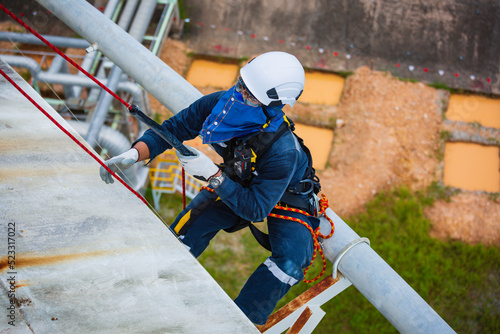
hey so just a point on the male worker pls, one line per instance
(241, 123)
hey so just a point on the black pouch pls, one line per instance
(243, 161)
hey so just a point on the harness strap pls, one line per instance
(261, 237)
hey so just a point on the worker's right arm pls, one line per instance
(185, 125)
(142, 149)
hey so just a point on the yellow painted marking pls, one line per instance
(204, 73)
(474, 108)
(319, 141)
(472, 167)
(322, 88)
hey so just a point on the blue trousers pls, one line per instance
(291, 242)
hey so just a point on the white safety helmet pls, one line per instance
(274, 78)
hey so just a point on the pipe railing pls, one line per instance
(60, 42)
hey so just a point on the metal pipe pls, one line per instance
(166, 22)
(102, 107)
(115, 142)
(112, 7)
(60, 65)
(127, 14)
(379, 283)
(60, 42)
(24, 62)
(373, 277)
(137, 30)
(161, 81)
(70, 79)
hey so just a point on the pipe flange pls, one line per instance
(344, 252)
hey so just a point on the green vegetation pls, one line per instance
(26, 75)
(412, 80)
(443, 86)
(345, 74)
(461, 282)
(445, 135)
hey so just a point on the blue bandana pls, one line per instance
(231, 118)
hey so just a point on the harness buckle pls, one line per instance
(314, 204)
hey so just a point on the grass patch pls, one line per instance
(443, 86)
(461, 282)
(170, 205)
(344, 74)
(412, 80)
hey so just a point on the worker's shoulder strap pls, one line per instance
(257, 144)
(261, 142)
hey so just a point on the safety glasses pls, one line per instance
(247, 95)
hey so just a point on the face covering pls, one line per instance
(232, 117)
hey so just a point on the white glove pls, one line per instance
(200, 166)
(118, 164)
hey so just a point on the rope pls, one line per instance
(323, 203)
(96, 158)
(18, 20)
(183, 188)
(314, 233)
(127, 105)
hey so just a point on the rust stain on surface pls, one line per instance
(25, 260)
(20, 284)
(301, 321)
(297, 303)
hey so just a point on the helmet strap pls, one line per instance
(268, 118)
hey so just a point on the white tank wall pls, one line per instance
(90, 257)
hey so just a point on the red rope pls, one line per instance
(50, 45)
(18, 20)
(183, 188)
(8, 12)
(71, 136)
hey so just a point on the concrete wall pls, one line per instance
(456, 42)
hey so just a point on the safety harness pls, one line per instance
(240, 159)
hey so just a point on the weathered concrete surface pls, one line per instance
(89, 257)
(453, 36)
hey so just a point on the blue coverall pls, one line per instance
(282, 165)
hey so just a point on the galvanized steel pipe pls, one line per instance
(71, 79)
(60, 42)
(137, 30)
(105, 100)
(90, 58)
(371, 275)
